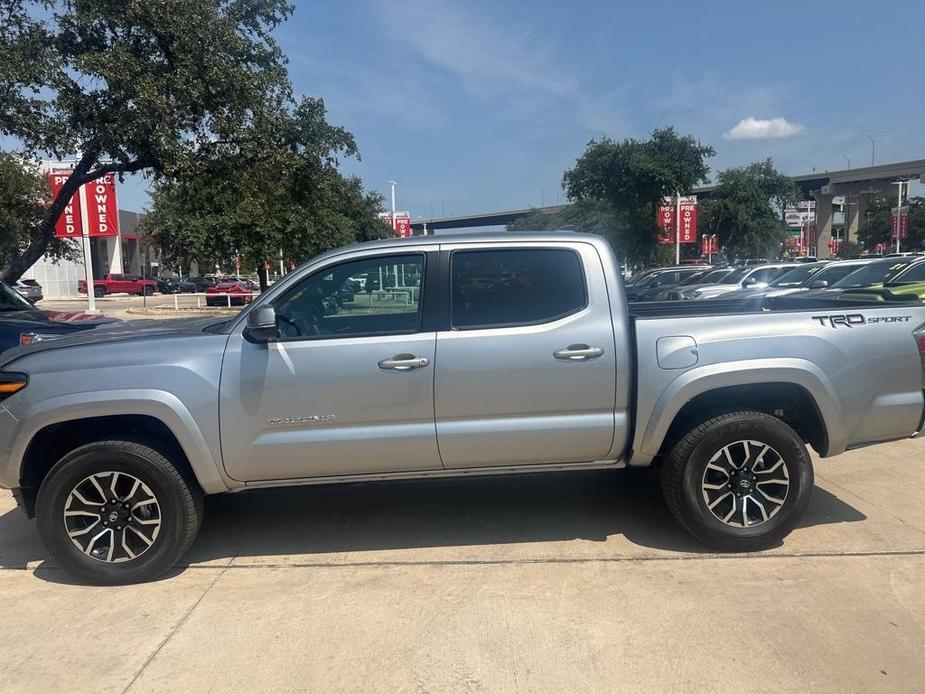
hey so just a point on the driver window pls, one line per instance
(371, 296)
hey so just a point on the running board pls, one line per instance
(434, 474)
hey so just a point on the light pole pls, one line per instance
(873, 147)
(392, 184)
(899, 209)
(847, 159)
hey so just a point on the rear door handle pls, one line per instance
(578, 353)
(404, 362)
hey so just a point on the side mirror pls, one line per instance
(749, 281)
(261, 325)
(819, 284)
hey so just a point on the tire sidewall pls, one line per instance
(784, 440)
(52, 498)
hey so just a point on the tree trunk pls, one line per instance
(39, 244)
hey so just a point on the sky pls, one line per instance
(481, 105)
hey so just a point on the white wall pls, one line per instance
(58, 279)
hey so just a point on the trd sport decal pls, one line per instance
(850, 320)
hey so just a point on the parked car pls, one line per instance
(228, 294)
(659, 283)
(21, 323)
(800, 275)
(30, 289)
(203, 282)
(552, 373)
(748, 277)
(119, 284)
(174, 285)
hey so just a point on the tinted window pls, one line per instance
(515, 287)
(734, 277)
(11, 300)
(372, 296)
(715, 276)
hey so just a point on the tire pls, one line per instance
(757, 520)
(99, 292)
(147, 291)
(152, 548)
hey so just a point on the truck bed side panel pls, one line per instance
(864, 374)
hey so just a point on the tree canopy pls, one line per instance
(22, 194)
(876, 226)
(633, 177)
(154, 86)
(745, 209)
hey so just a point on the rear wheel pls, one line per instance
(115, 512)
(147, 291)
(99, 292)
(739, 482)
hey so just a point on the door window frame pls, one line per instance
(513, 249)
(424, 295)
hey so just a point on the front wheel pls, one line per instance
(739, 482)
(99, 292)
(116, 512)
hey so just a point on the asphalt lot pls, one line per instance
(547, 583)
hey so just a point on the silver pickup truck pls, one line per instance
(446, 356)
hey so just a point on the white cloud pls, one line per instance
(752, 128)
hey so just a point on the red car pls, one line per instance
(116, 284)
(228, 294)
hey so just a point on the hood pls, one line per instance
(129, 331)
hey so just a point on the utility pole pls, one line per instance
(847, 159)
(392, 184)
(677, 228)
(899, 209)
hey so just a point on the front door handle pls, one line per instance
(578, 353)
(404, 362)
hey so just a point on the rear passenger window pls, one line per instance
(492, 289)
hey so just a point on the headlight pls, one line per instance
(12, 383)
(26, 339)
(691, 294)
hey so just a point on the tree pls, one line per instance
(634, 176)
(22, 193)
(135, 87)
(848, 249)
(279, 192)
(876, 227)
(745, 208)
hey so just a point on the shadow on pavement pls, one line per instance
(430, 513)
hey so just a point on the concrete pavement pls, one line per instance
(548, 583)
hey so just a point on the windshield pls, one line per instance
(735, 276)
(714, 276)
(875, 273)
(696, 278)
(797, 276)
(11, 300)
(915, 273)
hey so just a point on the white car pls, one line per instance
(753, 277)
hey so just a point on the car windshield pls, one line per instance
(11, 300)
(874, 273)
(915, 273)
(713, 277)
(797, 276)
(735, 276)
(696, 278)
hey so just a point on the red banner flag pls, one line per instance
(665, 221)
(68, 224)
(903, 223)
(102, 213)
(688, 221)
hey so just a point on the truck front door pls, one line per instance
(526, 372)
(348, 388)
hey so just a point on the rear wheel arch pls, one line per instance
(789, 402)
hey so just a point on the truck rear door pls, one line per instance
(526, 372)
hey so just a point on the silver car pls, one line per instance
(30, 289)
